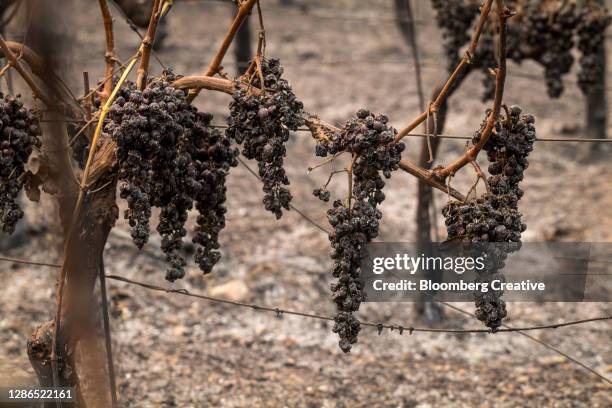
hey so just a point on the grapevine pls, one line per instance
(166, 157)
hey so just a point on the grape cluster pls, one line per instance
(353, 228)
(322, 194)
(167, 158)
(494, 217)
(592, 24)
(550, 35)
(544, 31)
(370, 141)
(261, 123)
(455, 17)
(19, 135)
(212, 156)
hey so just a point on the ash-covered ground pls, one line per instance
(339, 56)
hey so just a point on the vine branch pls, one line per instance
(14, 62)
(500, 78)
(147, 45)
(465, 61)
(109, 56)
(215, 63)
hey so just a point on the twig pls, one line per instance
(276, 310)
(147, 44)
(109, 56)
(466, 60)
(500, 78)
(213, 67)
(36, 90)
(47, 76)
(109, 78)
(135, 30)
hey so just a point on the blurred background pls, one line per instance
(339, 57)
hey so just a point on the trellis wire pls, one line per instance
(442, 136)
(548, 346)
(300, 212)
(280, 311)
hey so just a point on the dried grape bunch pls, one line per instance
(213, 155)
(454, 17)
(370, 141)
(154, 168)
(507, 150)
(494, 217)
(322, 194)
(261, 122)
(352, 229)
(592, 23)
(550, 34)
(168, 158)
(19, 135)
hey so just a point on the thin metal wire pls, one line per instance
(280, 311)
(543, 343)
(297, 210)
(444, 136)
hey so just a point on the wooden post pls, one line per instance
(243, 46)
(596, 102)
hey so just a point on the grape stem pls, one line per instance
(324, 162)
(480, 175)
(349, 171)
